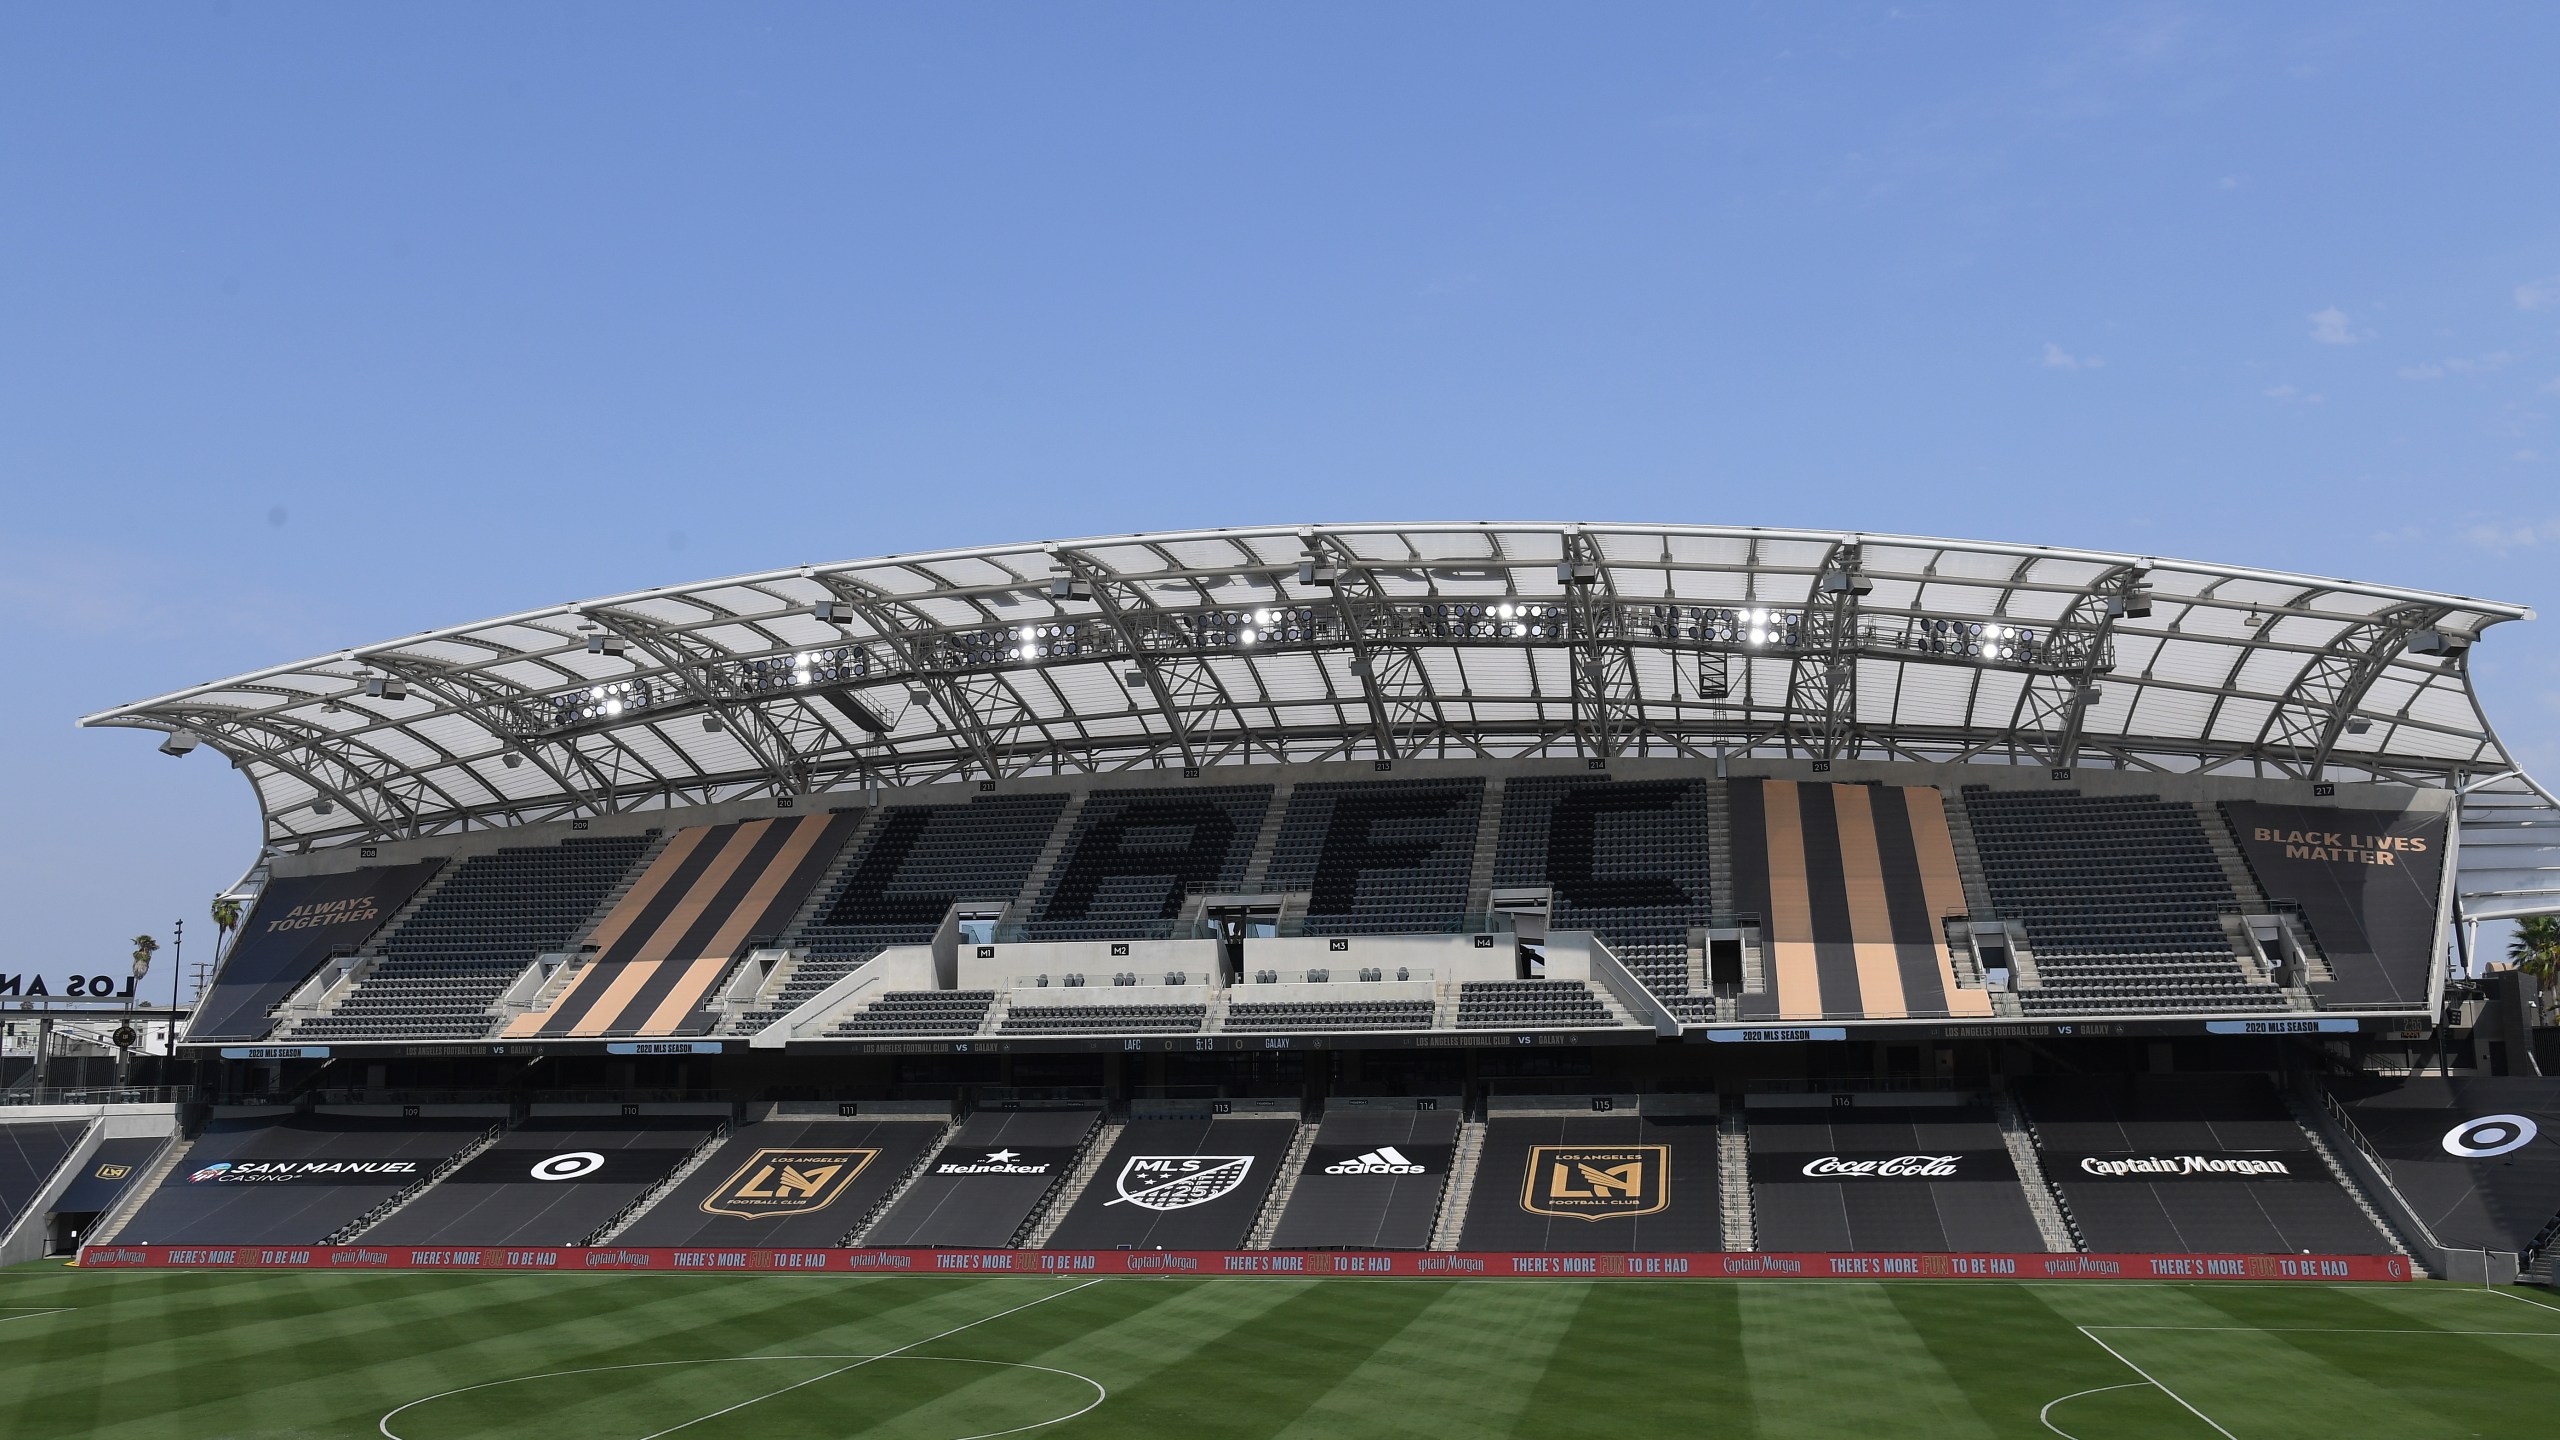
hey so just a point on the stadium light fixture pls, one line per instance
(605, 642)
(2447, 643)
(512, 760)
(179, 742)
(386, 687)
(833, 612)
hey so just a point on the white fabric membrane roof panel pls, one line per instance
(1340, 642)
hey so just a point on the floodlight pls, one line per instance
(834, 612)
(179, 742)
(512, 760)
(605, 642)
(386, 687)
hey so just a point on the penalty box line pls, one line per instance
(868, 1359)
(2155, 1382)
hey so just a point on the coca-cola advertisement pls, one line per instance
(1770, 1167)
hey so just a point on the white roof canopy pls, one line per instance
(1226, 647)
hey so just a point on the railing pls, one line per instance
(2381, 1170)
(652, 1195)
(410, 1191)
(103, 1095)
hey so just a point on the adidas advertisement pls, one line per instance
(1178, 1182)
(2223, 1165)
(1387, 1161)
(1004, 1160)
(1879, 1167)
(309, 1172)
(569, 1167)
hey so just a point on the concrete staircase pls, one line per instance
(1267, 1224)
(1452, 1220)
(1488, 840)
(2311, 1131)
(2053, 1218)
(1036, 883)
(1062, 1196)
(1733, 1182)
(1257, 867)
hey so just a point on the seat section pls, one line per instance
(1103, 1019)
(1853, 885)
(1294, 1015)
(465, 944)
(30, 1151)
(1371, 1181)
(920, 1012)
(978, 1192)
(1595, 1182)
(2478, 1159)
(912, 864)
(547, 1182)
(298, 923)
(711, 893)
(2368, 882)
(2205, 1163)
(1624, 859)
(1187, 1184)
(1932, 1178)
(786, 1183)
(1529, 1005)
(292, 1179)
(1135, 856)
(1379, 857)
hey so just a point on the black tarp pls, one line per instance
(300, 921)
(197, 1204)
(1372, 1181)
(780, 1184)
(2368, 882)
(2452, 1148)
(1617, 1182)
(549, 1182)
(1193, 1184)
(114, 1165)
(29, 1154)
(979, 1190)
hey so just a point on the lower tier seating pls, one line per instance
(1107, 1019)
(1528, 1005)
(1329, 1015)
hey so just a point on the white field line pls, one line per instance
(858, 1364)
(33, 1313)
(2523, 1300)
(2317, 1330)
(2155, 1380)
(2046, 1414)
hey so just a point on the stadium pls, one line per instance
(1448, 978)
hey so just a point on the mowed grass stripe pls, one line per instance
(1632, 1365)
(1466, 1364)
(1850, 1364)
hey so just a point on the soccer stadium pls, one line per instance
(1445, 979)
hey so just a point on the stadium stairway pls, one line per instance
(1461, 1188)
(1062, 1198)
(1266, 1224)
(293, 1009)
(2307, 1114)
(1733, 1181)
(140, 1189)
(2043, 1201)
(640, 1205)
(924, 1160)
(395, 1203)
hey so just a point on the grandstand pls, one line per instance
(1393, 890)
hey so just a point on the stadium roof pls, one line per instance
(1221, 647)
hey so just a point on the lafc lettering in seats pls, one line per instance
(774, 1183)
(1597, 1182)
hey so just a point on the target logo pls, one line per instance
(569, 1166)
(2490, 1135)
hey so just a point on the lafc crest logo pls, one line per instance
(786, 1182)
(1597, 1182)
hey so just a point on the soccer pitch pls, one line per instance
(778, 1357)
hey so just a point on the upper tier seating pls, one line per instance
(920, 1012)
(457, 953)
(1136, 855)
(1329, 1015)
(1103, 1019)
(2121, 897)
(1627, 860)
(1379, 857)
(1529, 1005)
(912, 863)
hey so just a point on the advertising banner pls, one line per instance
(2367, 881)
(310, 1172)
(1880, 1167)
(1404, 1158)
(299, 921)
(2261, 1165)
(1297, 1264)
(569, 1167)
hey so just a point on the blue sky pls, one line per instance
(323, 324)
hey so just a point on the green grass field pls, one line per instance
(625, 1357)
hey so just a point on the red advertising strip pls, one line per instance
(1296, 1263)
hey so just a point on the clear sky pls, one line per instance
(320, 324)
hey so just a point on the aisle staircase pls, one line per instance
(1452, 1220)
(1267, 1224)
(1733, 1182)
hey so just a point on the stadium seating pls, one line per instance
(920, 1012)
(1379, 857)
(548, 1182)
(1329, 1015)
(2121, 897)
(913, 862)
(1626, 860)
(1186, 1184)
(1802, 1198)
(787, 1181)
(1102, 1019)
(1135, 855)
(206, 1200)
(2451, 1148)
(984, 1187)
(446, 966)
(1529, 1005)
(1596, 1182)
(2211, 1163)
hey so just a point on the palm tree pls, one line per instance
(226, 918)
(2536, 951)
(144, 947)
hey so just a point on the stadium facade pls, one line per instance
(1440, 888)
